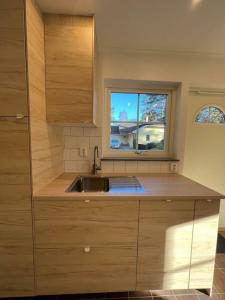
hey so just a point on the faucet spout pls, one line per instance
(96, 167)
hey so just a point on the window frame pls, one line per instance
(107, 152)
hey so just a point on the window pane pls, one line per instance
(124, 107)
(123, 136)
(216, 115)
(203, 116)
(153, 108)
(151, 137)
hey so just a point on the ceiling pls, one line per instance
(193, 26)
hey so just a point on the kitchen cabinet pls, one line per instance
(13, 89)
(69, 57)
(16, 240)
(118, 245)
(205, 232)
(164, 244)
(86, 246)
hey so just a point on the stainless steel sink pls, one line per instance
(116, 184)
(89, 184)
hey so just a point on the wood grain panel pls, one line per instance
(14, 150)
(164, 247)
(69, 68)
(204, 244)
(65, 228)
(16, 243)
(70, 270)
(13, 89)
(46, 140)
(80, 223)
(16, 253)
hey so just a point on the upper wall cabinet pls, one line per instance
(13, 89)
(69, 44)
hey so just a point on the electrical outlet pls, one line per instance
(81, 152)
(174, 167)
(85, 152)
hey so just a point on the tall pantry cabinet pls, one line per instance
(16, 233)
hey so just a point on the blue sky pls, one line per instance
(124, 102)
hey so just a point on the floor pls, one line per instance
(217, 294)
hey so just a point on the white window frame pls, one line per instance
(107, 152)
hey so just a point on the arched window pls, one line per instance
(210, 114)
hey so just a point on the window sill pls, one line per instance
(139, 159)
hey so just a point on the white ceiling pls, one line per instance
(165, 25)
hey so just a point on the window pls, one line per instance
(138, 123)
(210, 114)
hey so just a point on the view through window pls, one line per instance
(210, 114)
(138, 121)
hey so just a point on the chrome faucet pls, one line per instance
(96, 167)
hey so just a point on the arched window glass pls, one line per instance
(210, 114)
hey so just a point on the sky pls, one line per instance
(128, 102)
(124, 102)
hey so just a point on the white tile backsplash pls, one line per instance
(77, 166)
(77, 131)
(131, 166)
(143, 167)
(79, 137)
(66, 131)
(119, 166)
(92, 132)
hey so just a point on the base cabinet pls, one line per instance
(164, 246)
(86, 246)
(205, 232)
(117, 245)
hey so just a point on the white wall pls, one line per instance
(190, 71)
(205, 148)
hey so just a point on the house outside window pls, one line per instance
(138, 123)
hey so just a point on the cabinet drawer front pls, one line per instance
(78, 222)
(72, 270)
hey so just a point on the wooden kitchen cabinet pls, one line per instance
(16, 241)
(69, 56)
(205, 234)
(86, 246)
(164, 245)
(13, 89)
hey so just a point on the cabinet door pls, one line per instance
(69, 68)
(16, 243)
(86, 246)
(204, 244)
(13, 89)
(164, 246)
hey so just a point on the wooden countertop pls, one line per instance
(155, 187)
